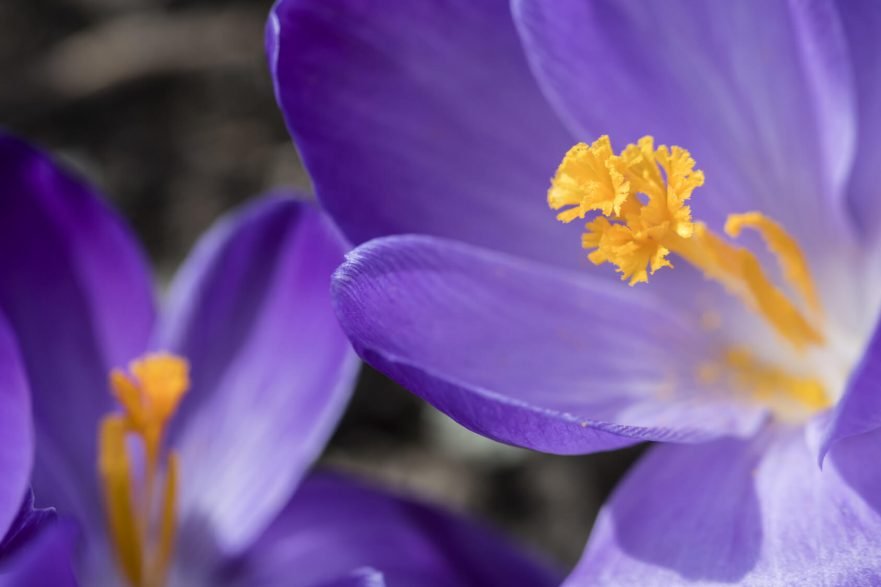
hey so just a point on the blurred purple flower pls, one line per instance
(33, 548)
(270, 373)
(445, 120)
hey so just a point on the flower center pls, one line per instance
(139, 507)
(639, 217)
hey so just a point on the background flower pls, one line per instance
(34, 549)
(271, 373)
(169, 108)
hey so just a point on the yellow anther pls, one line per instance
(776, 308)
(742, 275)
(163, 379)
(129, 396)
(789, 255)
(149, 397)
(639, 198)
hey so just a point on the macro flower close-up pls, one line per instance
(440, 293)
(176, 446)
(501, 167)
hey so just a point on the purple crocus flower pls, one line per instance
(445, 120)
(36, 549)
(33, 548)
(200, 475)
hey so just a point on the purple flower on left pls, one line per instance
(191, 466)
(33, 547)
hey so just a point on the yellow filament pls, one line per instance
(765, 382)
(148, 397)
(641, 196)
(168, 519)
(115, 471)
(742, 275)
(789, 255)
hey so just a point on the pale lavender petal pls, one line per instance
(759, 92)
(421, 117)
(751, 512)
(333, 525)
(16, 431)
(271, 369)
(76, 291)
(529, 355)
(48, 560)
(862, 21)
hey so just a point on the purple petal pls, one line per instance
(16, 433)
(759, 92)
(75, 288)
(525, 354)
(755, 512)
(862, 21)
(46, 562)
(421, 117)
(271, 370)
(333, 525)
(28, 523)
(361, 578)
(859, 410)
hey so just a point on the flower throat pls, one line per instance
(140, 508)
(638, 202)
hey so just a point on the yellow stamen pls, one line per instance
(637, 234)
(767, 381)
(115, 470)
(163, 379)
(764, 381)
(638, 202)
(168, 524)
(742, 275)
(789, 255)
(148, 397)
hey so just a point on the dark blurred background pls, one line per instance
(168, 106)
